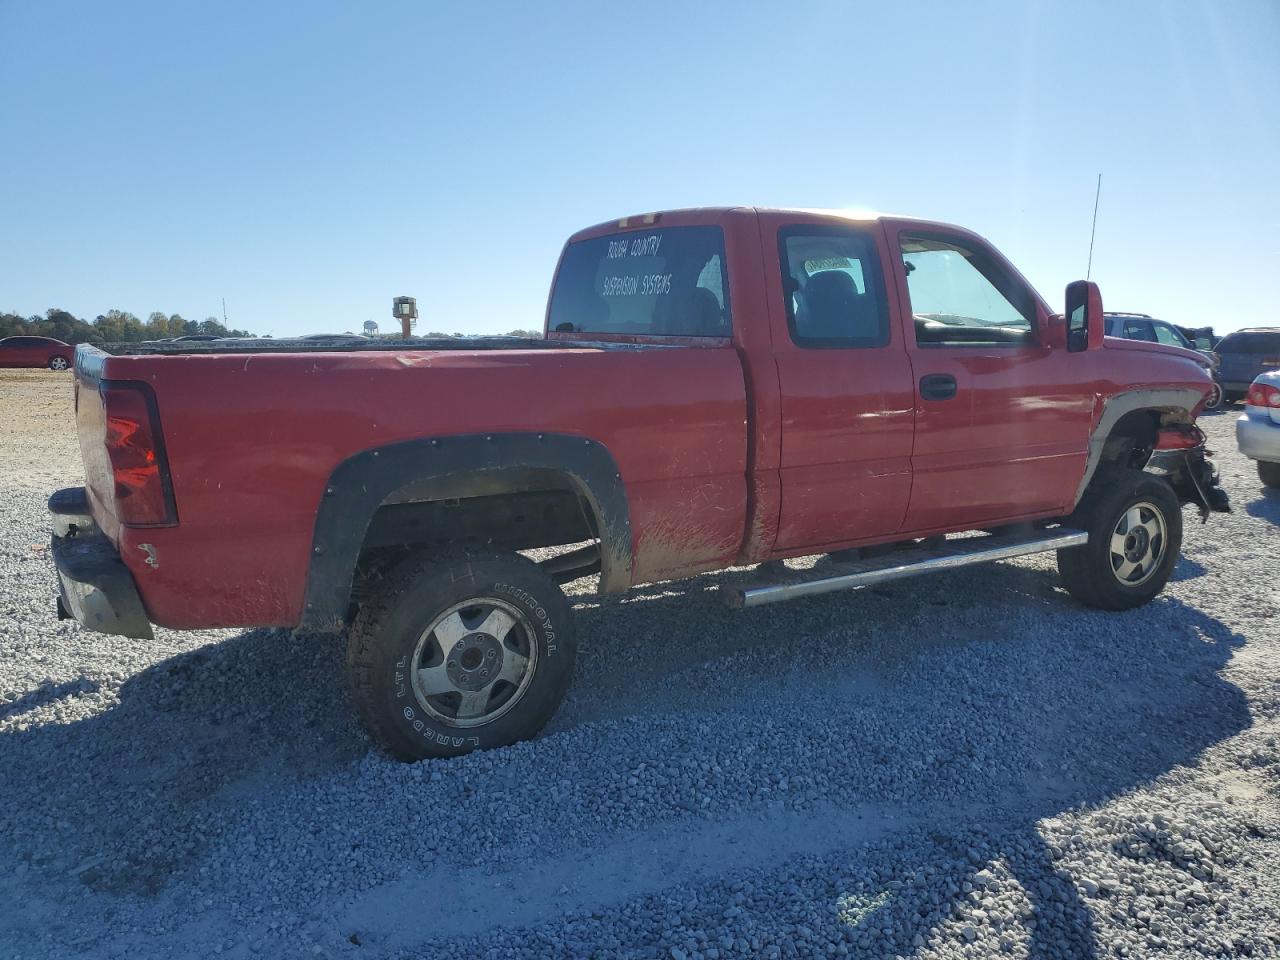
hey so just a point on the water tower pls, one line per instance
(371, 328)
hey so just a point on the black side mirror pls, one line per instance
(1084, 316)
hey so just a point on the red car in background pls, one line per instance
(36, 352)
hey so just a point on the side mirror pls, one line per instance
(1085, 323)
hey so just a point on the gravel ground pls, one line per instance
(967, 765)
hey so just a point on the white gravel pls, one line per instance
(968, 765)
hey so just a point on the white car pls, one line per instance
(1258, 429)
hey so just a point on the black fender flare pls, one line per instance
(363, 482)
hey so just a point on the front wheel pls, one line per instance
(1134, 523)
(452, 656)
(1269, 473)
(58, 363)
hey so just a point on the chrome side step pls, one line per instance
(953, 554)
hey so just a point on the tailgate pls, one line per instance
(125, 466)
(91, 429)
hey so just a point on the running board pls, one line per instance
(963, 552)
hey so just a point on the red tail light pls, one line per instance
(1262, 395)
(135, 446)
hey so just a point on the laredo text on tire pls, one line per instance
(457, 655)
(1134, 522)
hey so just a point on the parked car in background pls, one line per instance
(1258, 429)
(36, 352)
(1202, 338)
(1142, 326)
(1243, 356)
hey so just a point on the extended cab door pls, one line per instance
(1002, 418)
(844, 378)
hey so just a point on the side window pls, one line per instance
(1138, 330)
(960, 297)
(833, 286)
(1166, 334)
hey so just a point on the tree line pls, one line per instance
(114, 326)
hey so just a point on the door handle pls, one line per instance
(938, 386)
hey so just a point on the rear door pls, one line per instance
(16, 352)
(844, 378)
(1002, 421)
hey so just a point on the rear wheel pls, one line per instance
(1134, 523)
(1215, 397)
(1269, 473)
(58, 363)
(452, 656)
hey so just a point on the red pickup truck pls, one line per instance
(716, 388)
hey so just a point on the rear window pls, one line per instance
(1250, 343)
(667, 282)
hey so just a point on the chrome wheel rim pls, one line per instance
(474, 662)
(57, 363)
(1215, 397)
(1138, 544)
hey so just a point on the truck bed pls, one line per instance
(342, 345)
(254, 432)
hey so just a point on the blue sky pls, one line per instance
(309, 161)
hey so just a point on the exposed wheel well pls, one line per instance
(517, 510)
(1131, 440)
(504, 491)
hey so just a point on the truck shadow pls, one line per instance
(1266, 507)
(242, 719)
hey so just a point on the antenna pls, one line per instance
(224, 299)
(1094, 229)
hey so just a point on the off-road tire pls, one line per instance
(386, 636)
(1087, 571)
(1269, 473)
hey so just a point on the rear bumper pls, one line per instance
(1258, 439)
(95, 587)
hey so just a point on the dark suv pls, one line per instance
(1244, 355)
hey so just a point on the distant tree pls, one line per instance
(114, 326)
(157, 326)
(532, 334)
(117, 326)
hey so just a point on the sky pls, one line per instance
(308, 162)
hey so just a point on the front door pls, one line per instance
(1001, 427)
(845, 383)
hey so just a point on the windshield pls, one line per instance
(666, 282)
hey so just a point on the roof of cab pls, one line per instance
(711, 215)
